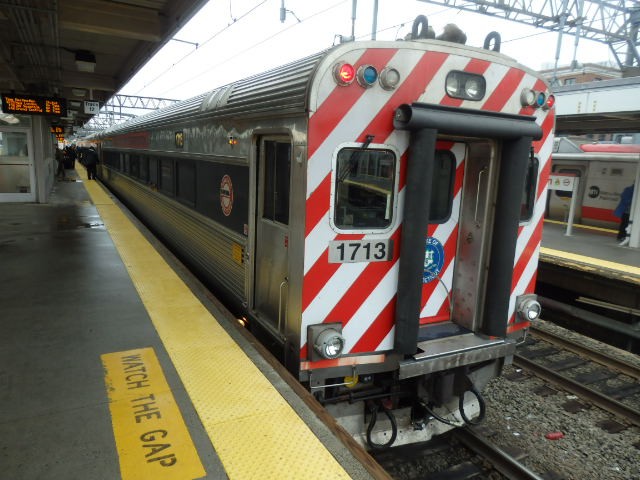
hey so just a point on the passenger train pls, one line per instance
(603, 170)
(375, 210)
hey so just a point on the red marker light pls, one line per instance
(344, 73)
(551, 101)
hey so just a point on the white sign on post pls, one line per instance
(563, 183)
(92, 108)
(566, 183)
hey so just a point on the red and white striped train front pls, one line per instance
(357, 338)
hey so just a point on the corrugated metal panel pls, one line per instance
(205, 246)
(284, 89)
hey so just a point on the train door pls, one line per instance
(272, 231)
(17, 173)
(474, 227)
(440, 248)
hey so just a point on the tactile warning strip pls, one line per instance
(253, 429)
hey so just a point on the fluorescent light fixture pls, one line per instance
(85, 61)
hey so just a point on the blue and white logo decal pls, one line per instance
(433, 259)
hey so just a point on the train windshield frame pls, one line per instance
(364, 188)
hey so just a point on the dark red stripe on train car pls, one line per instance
(600, 214)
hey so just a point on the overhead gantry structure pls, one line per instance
(612, 22)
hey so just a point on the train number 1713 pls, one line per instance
(352, 251)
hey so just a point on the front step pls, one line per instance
(454, 351)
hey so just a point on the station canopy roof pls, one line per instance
(82, 50)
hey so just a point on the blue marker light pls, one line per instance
(367, 75)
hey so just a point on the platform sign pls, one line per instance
(563, 183)
(91, 108)
(566, 183)
(32, 105)
(58, 132)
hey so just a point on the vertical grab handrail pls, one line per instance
(475, 215)
(284, 282)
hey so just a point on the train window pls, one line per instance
(364, 188)
(276, 182)
(186, 181)
(153, 172)
(125, 163)
(134, 166)
(144, 168)
(112, 159)
(166, 176)
(444, 175)
(529, 191)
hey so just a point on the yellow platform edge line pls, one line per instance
(241, 411)
(151, 437)
(620, 267)
(579, 225)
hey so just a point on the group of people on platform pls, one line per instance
(66, 158)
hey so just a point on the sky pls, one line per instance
(231, 39)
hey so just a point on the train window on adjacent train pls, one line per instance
(276, 181)
(166, 176)
(125, 163)
(444, 175)
(529, 191)
(186, 181)
(364, 188)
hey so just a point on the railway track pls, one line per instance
(591, 375)
(464, 453)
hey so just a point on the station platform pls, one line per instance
(591, 250)
(116, 363)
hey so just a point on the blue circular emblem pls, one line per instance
(433, 259)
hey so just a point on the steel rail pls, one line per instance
(499, 459)
(619, 365)
(602, 401)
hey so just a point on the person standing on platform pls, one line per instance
(91, 162)
(623, 210)
(60, 159)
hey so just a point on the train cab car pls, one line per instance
(374, 209)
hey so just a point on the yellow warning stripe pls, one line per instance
(579, 225)
(591, 261)
(151, 436)
(253, 429)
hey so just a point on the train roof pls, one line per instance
(282, 91)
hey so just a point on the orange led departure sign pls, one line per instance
(31, 105)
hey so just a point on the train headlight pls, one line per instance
(528, 307)
(466, 86)
(329, 344)
(326, 339)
